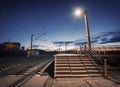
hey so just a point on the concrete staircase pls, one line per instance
(74, 65)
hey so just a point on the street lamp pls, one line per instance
(77, 13)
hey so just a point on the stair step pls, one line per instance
(96, 75)
(80, 75)
(61, 71)
(91, 67)
(86, 59)
(61, 59)
(78, 71)
(92, 70)
(72, 75)
(75, 66)
(77, 75)
(63, 75)
(78, 64)
(72, 65)
(75, 72)
(67, 67)
(71, 71)
(68, 61)
(87, 64)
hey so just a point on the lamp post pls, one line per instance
(87, 28)
(77, 13)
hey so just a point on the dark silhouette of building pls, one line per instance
(11, 49)
(12, 45)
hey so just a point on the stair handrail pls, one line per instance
(96, 57)
(98, 62)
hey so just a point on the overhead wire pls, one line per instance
(41, 23)
(22, 28)
(11, 21)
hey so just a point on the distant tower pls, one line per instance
(31, 41)
(9, 39)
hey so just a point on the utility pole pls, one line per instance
(65, 46)
(31, 41)
(59, 47)
(35, 38)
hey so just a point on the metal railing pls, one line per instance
(93, 55)
(97, 60)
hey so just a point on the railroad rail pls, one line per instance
(40, 67)
(12, 66)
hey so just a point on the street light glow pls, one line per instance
(77, 12)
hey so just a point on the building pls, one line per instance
(32, 52)
(11, 49)
(11, 45)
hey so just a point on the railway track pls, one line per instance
(39, 69)
(16, 65)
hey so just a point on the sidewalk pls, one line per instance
(84, 82)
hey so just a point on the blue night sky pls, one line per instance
(51, 22)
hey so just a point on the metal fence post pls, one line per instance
(104, 50)
(105, 68)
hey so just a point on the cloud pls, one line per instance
(80, 43)
(114, 39)
(62, 42)
(35, 45)
(101, 38)
(107, 37)
(58, 42)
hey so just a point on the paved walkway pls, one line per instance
(36, 81)
(7, 80)
(84, 82)
(46, 81)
